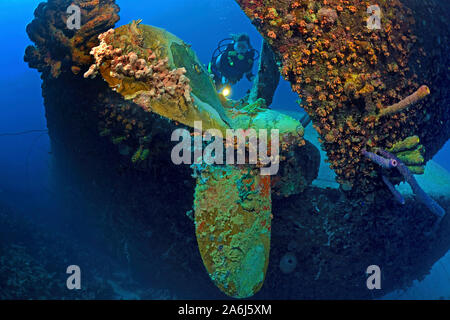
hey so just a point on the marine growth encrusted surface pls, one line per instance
(60, 49)
(320, 228)
(233, 220)
(161, 74)
(347, 74)
(155, 70)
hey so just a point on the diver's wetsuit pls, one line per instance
(233, 66)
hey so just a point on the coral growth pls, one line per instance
(382, 162)
(389, 161)
(156, 71)
(346, 73)
(150, 71)
(59, 49)
(410, 152)
(163, 83)
(397, 195)
(327, 15)
(421, 93)
(234, 202)
(233, 222)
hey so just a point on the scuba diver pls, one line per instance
(231, 61)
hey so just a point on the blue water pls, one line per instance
(25, 159)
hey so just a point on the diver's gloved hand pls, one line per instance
(250, 76)
(410, 152)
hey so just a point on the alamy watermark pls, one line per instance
(374, 279)
(237, 141)
(74, 280)
(74, 19)
(374, 21)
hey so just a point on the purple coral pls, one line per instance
(398, 196)
(418, 191)
(382, 162)
(388, 161)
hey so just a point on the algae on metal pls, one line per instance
(142, 40)
(233, 221)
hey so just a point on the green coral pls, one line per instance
(410, 152)
(141, 154)
(137, 155)
(144, 155)
(411, 157)
(416, 169)
(310, 18)
(406, 144)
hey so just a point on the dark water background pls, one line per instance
(25, 158)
